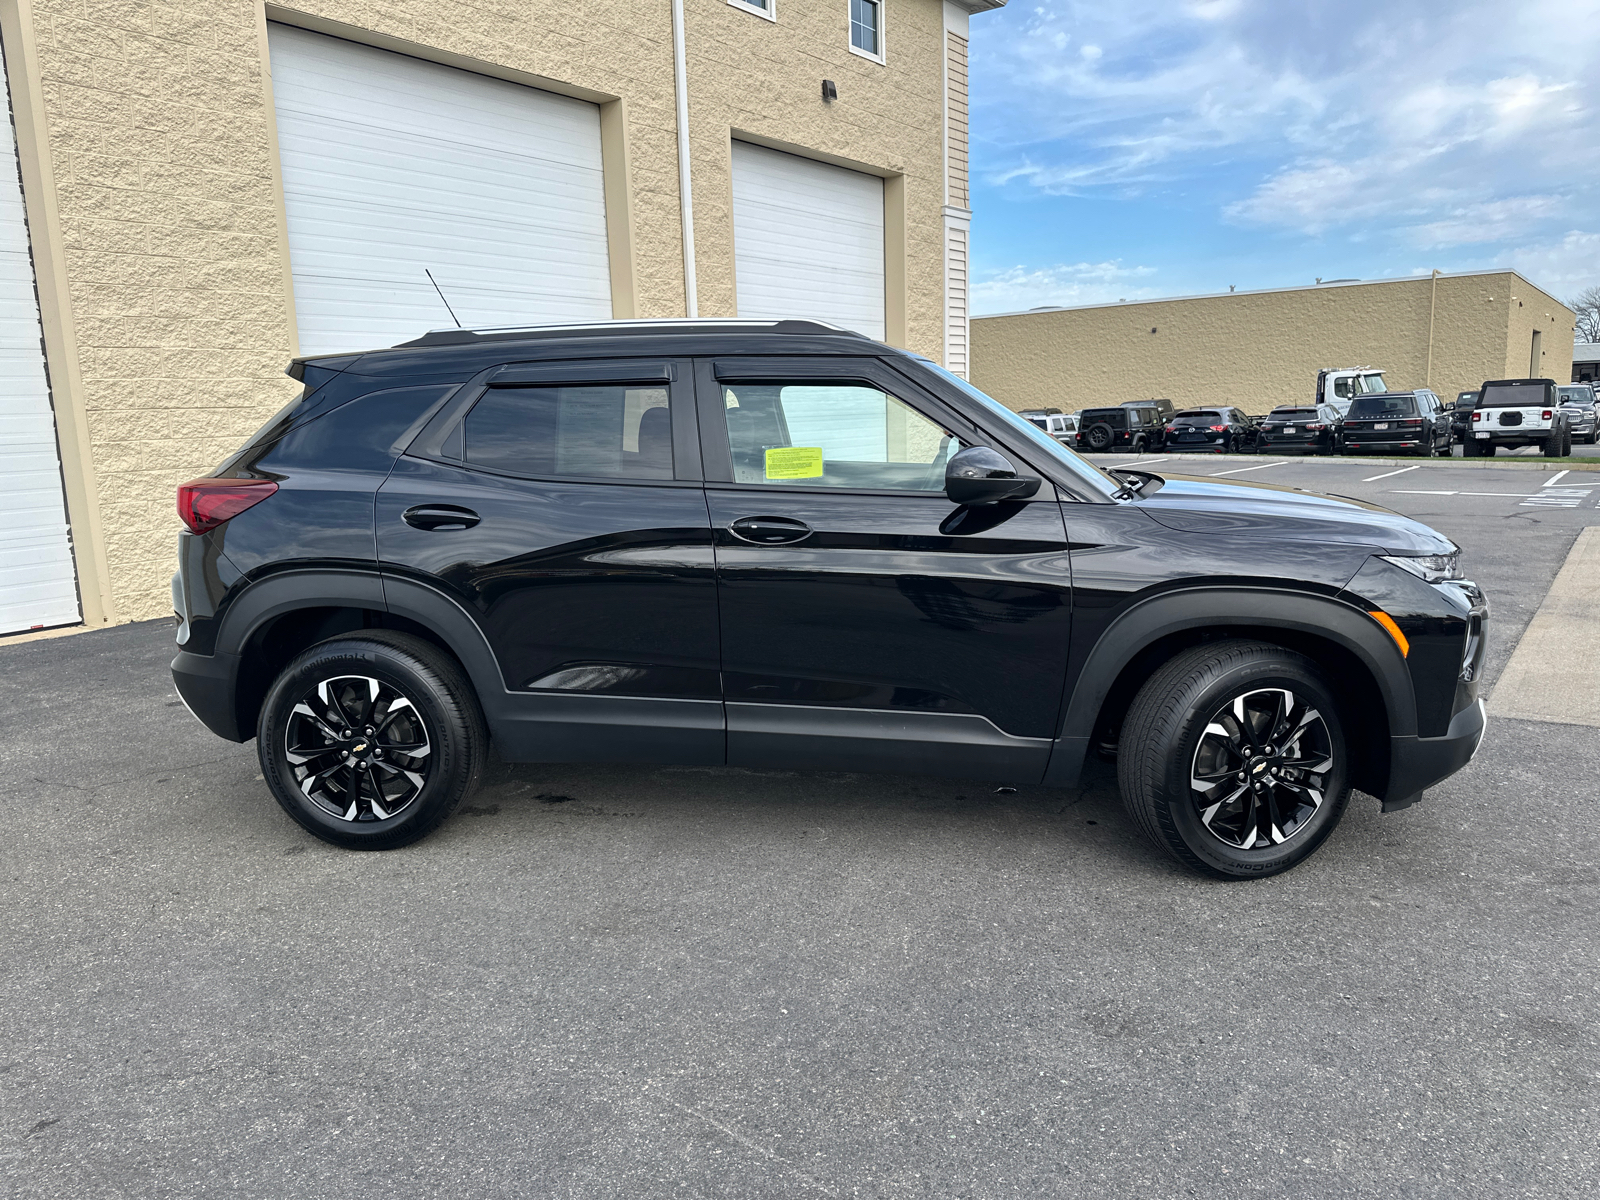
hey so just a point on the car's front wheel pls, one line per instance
(1232, 758)
(371, 740)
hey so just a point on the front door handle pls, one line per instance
(770, 531)
(442, 517)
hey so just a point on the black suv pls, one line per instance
(1313, 429)
(1412, 423)
(1135, 428)
(781, 545)
(1218, 430)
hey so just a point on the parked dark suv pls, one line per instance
(780, 545)
(1411, 423)
(1132, 428)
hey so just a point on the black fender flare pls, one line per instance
(284, 592)
(1149, 620)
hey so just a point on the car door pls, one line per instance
(868, 623)
(560, 505)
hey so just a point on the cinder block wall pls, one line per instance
(1261, 349)
(157, 131)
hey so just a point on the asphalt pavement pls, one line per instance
(601, 981)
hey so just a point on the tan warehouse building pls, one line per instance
(1260, 349)
(208, 189)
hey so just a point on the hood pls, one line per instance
(1211, 506)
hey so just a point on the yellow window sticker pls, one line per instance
(794, 462)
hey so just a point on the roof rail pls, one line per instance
(458, 337)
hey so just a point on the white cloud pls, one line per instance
(1066, 284)
(1434, 124)
(1562, 267)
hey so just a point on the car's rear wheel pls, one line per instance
(370, 741)
(1552, 444)
(1232, 758)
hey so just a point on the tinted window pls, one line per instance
(1368, 408)
(612, 431)
(1200, 414)
(1466, 400)
(1575, 395)
(1294, 412)
(1113, 417)
(846, 435)
(1515, 395)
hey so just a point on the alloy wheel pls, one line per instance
(1259, 773)
(358, 748)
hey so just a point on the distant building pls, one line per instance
(1586, 362)
(1263, 348)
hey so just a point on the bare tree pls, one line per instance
(1587, 305)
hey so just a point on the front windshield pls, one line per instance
(1575, 395)
(1102, 483)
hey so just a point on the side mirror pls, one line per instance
(979, 475)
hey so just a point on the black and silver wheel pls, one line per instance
(1232, 758)
(371, 740)
(1100, 436)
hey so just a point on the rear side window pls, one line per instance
(607, 432)
(1515, 395)
(1368, 408)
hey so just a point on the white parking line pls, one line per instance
(1412, 492)
(1242, 470)
(1556, 478)
(1401, 471)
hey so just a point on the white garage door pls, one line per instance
(38, 584)
(393, 166)
(807, 240)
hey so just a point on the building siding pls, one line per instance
(1261, 349)
(159, 128)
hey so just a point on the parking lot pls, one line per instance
(606, 981)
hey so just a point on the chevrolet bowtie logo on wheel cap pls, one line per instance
(358, 749)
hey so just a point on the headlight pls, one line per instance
(1434, 568)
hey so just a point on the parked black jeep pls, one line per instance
(784, 545)
(1131, 428)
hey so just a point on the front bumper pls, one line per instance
(1417, 763)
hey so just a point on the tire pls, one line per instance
(411, 694)
(1136, 446)
(1566, 441)
(1171, 730)
(1552, 444)
(1100, 436)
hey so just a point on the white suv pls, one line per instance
(1518, 412)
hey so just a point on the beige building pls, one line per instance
(210, 188)
(1261, 349)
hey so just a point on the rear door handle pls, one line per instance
(442, 517)
(770, 531)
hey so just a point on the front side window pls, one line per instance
(1373, 384)
(866, 26)
(844, 435)
(613, 431)
(1344, 388)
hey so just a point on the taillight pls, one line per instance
(1316, 426)
(1172, 428)
(1546, 415)
(1477, 416)
(1219, 429)
(206, 503)
(1413, 422)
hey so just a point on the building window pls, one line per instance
(762, 8)
(866, 28)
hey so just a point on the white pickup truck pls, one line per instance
(1518, 412)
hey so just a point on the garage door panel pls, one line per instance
(393, 167)
(808, 240)
(38, 579)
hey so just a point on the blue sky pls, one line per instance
(1142, 148)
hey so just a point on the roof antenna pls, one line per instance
(440, 290)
